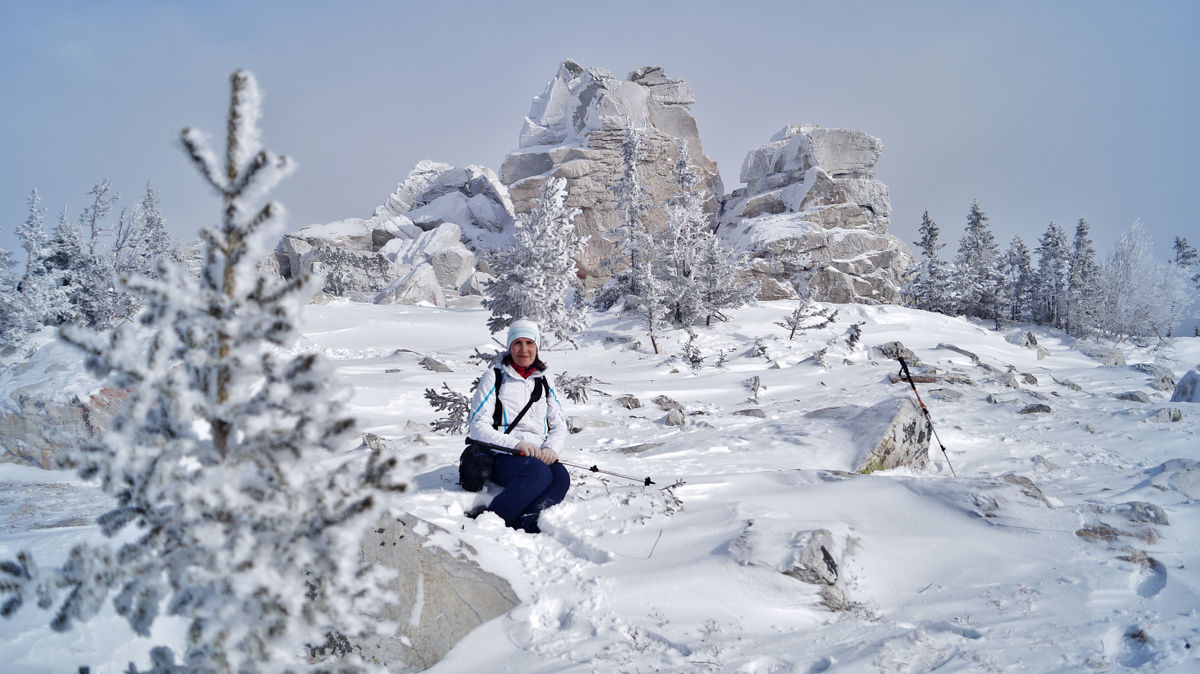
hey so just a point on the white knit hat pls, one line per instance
(524, 328)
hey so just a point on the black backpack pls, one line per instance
(476, 463)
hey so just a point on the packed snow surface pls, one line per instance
(1068, 541)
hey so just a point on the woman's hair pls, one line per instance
(537, 362)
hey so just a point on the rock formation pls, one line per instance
(441, 596)
(415, 248)
(812, 211)
(574, 131)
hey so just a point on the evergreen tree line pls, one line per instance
(672, 278)
(1128, 295)
(74, 274)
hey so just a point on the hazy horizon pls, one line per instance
(1040, 111)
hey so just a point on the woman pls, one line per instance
(533, 480)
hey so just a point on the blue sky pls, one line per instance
(1040, 110)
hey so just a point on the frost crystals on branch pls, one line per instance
(225, 459)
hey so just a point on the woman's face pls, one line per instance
(523, 351)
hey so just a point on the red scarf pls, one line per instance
(525, 372)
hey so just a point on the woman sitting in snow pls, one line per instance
(533, 480)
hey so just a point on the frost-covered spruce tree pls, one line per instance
(634, 245)
(13, 309)
(1054, 259)
(237, 512)
(699, 272)
(929, 288)
(678, 258)
(1020, 280)
(42, 299)
(537, 275)
(1186, 257)
(977, 267)
(91, 220)
(1083, 284)
(139, 241)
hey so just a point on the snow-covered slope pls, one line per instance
(1031, 559)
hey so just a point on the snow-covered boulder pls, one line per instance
(812, 209)
(418, 286)
(440, 596)
(574, 130)
(1188, 388)
(887, 435)
(471, 197)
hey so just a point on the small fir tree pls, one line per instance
(700, 272)
(1020, 279)
(929, 288)
(215, 457)
(538, 278)
(13, 311)
(977, 267)
(1083, 284)
(1186, 257)
(1053, 277)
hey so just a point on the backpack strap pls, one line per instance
(498, 408)
(539, 387)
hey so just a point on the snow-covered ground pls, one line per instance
(1031, 559)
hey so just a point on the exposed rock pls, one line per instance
(808, 556)
(455, 595)
(894, 351)
(675, 418)
(1029, 379)
(1134, 396)
(1037, 408)
(949, 395)
(1188, 388)
(1161, 378)
(574, 130)
(890, 434)
(38, 432)
(1028, 488)
(813, 211)
(666, 403)
(1105, 354)
(418, 286)
(751, 412)
(1167, 415)
(1042, 353)
(629, 402)
(472, 198)
(432, 364)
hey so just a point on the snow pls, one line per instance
(980, 572)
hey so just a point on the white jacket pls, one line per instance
(543, 425)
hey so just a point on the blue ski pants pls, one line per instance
(530, 487)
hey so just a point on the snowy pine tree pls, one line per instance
(977, 268)
(1083, 284)
(41, 298)
(537, 275)
(1020, 280)
(634, 245)
(700, 272)
(222, 457)
(638, 288)
(1186, 257)
(91, 220)
(139, 241)
(1054, 258)
(929, 289)
(13, 310)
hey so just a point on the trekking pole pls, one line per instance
(925, 410)
(595, 469)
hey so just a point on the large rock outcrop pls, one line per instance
(887, 435)
(574, 130)
(417, 248)
(441, 596)
(812, 211)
